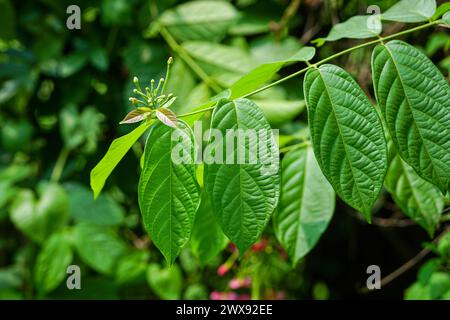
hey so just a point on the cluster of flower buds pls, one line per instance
(152, 101)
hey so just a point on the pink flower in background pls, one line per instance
(215, 295)
(237, 283)
(223, 269)
(261, 245)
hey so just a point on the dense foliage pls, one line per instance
(159, 229)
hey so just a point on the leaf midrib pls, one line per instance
(412, 112)
(342, 139)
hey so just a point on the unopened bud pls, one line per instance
(170, 61)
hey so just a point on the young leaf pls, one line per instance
(168, 191)
(243, 194)
(136, 115)
(167, 117)
(306, 203)
(347, 136)
(119, 147)
(414, 99)
(52, 262)
(207, 237)
(38, 219)
(200, 20)
(357, 27)
(410, 11)
(98, 246)
(419, 199)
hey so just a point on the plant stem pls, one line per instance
(196, 112)
(295, 74)
(59, 165)
(189, 61)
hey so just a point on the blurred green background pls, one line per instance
(62, 95)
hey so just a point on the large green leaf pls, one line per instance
(306, 203)
(414, 99)
(243, 194)
(38, 219)
(83, 208)
(207, 237)
(52, 262)
(168, 191)
(165, 282)
(419, 199)
(410, 11)
(347, 136)
(119, 147)
(99, 247)
(200, 20)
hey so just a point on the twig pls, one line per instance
(408, 265)
(386, 222)
(188, 60)
(59, 165)
(288, 14)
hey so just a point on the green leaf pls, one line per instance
(306, 203)
(414, 99)
(207, 238)
(441, 10)
(410, 11)
(136, 115)
(419, 199)
(103, 211)
(347, 136)
(357, 27)
(254, 79)
(52, 262)
(243, 193)
(38, 219)
(119, 147)
(167, 117)
(168, 191)
(165, 282)
(132, 267)
(446, 19)
(279, 112)
(265, 72)
(224, 63)
(98, 246)
(200, 20)
(80, 129)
